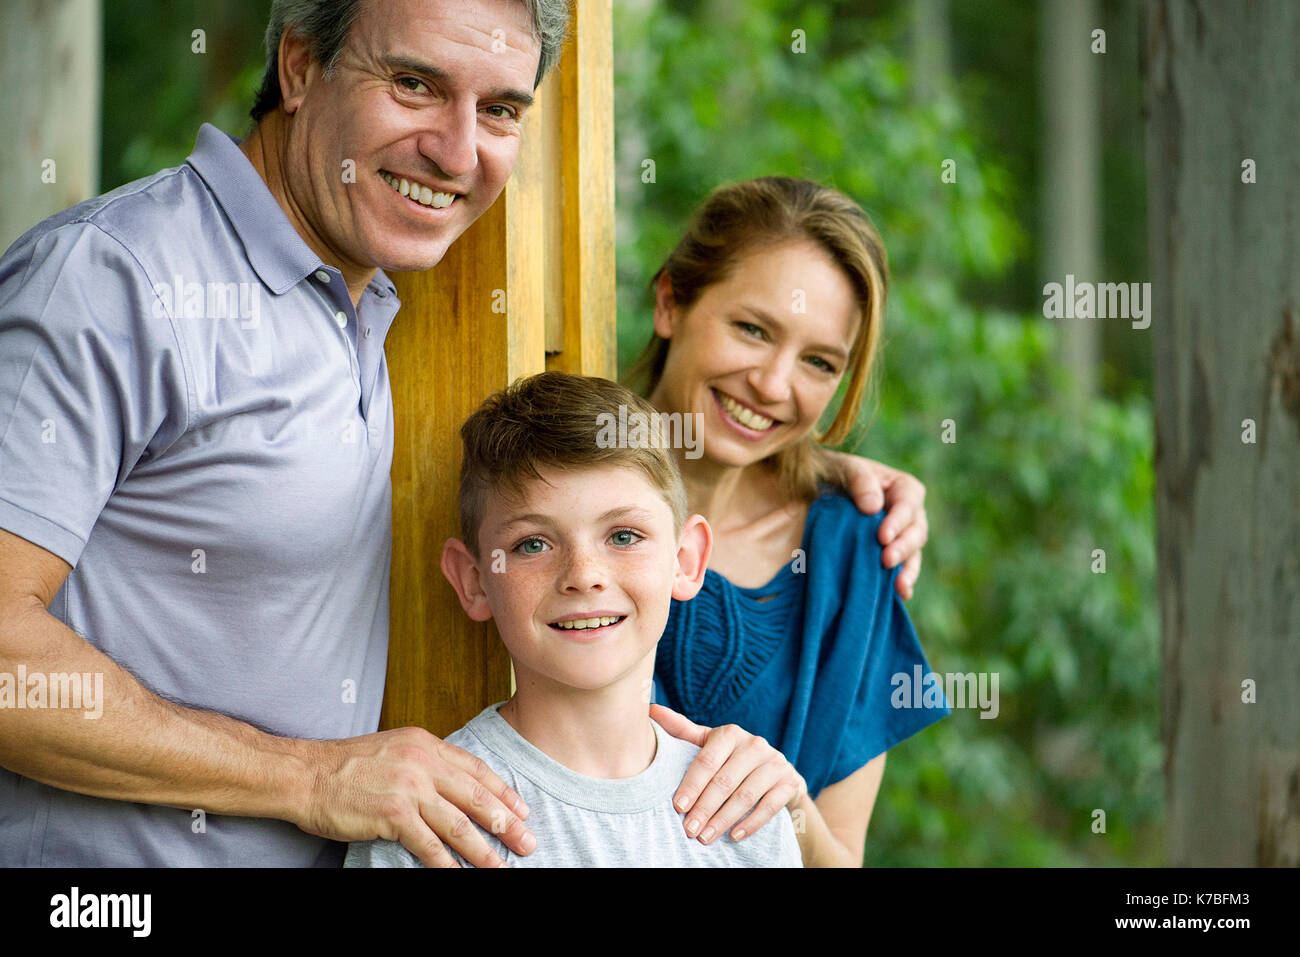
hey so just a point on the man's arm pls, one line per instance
(403, 785)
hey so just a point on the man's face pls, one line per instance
(582, 548)
(430, 91)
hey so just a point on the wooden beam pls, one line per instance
(451, 346)
(586, 199)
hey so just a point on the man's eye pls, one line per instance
(410, 79)
(625, 536)
(507, 112)
(531, 546)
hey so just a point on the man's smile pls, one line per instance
(419, 193)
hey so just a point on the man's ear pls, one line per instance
(694, 546)
(460, 568)
(297, 70)
(666, 311)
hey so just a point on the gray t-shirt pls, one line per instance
(581, 821)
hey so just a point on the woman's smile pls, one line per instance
(743, 419)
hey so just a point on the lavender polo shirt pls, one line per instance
(194, 416)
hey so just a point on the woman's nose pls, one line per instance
(771, 380)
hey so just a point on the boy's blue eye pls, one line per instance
(531, 546)
(625, 536)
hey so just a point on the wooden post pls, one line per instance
(545, 250)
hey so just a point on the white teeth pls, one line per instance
(581, 624)
(752, 420)
(421, 194)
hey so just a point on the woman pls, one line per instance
(774, 295)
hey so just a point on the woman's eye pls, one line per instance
(531, 546)
(625, 536)
(821, 363)
(749, 328)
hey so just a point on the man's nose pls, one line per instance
(452, 142)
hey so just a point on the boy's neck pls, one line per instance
(602, 734)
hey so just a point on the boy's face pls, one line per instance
(581, 548)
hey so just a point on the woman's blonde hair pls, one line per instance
(735, 219)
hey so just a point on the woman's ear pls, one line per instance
(694, 546)
(460, 568)
(665, 309)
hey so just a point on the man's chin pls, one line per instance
(410, 261)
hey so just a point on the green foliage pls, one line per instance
(1022, 498)
(158, 89)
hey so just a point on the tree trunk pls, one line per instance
(1223, 87)
(1071, 190)
(50, 63)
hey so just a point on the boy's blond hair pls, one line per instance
(553, 420)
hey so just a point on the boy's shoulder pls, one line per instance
(608, 824)
(380, 853)
(773, 845)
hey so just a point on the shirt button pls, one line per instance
(367, 332)
(340, 319)
(323, 276)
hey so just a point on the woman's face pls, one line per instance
(760, 353)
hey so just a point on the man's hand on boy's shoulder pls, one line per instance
(872, 486)
(734, 772)
(408, 786)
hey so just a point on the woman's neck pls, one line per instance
(729, 496)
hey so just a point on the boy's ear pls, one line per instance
(694, 546)
(460, 568)
(666, 310)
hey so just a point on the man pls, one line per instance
(215, 465)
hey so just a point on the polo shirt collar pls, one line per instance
(279, 255)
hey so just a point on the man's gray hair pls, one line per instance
(325, 24)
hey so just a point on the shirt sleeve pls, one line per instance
(876, 721)
(92, 381)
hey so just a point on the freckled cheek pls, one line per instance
(517, 594)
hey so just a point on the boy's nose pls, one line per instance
(583, 572)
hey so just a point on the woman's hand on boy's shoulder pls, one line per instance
(872, 486)
(734, 772)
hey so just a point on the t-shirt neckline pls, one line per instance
(653, 787)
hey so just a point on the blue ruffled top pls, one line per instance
(808, 661)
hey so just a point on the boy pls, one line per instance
(576, 550)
